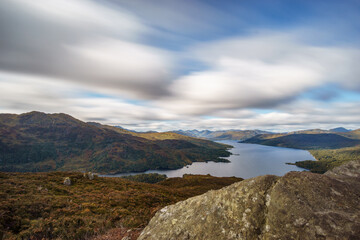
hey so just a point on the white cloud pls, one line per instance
(129, 68)
(236, 83)
(42, 94)
(55, 95)
(260, 71)
(314, 114)
(83, 42)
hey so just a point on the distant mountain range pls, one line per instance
(242, 135)
(221, 135)
(38, 142)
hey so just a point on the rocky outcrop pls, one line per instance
(350, 169)
(299, 205)
(89, 175)
(67, 181)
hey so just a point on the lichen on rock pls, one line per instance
(299, 205)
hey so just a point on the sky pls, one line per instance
(277, 65)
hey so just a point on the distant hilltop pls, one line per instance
(339, 129)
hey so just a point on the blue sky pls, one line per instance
(170, 64)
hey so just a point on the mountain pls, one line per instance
(299, 205)
(305, 141)
(310, 131)
(38, 142)
(195, 133)
(339, 129)
(354, 134)
(313, 131)
(222, 135)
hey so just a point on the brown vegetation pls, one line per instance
(40, 206)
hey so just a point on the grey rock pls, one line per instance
(299, 205)
(89, 175)
(67, 181)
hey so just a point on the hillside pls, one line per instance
(330, 158)
(38, 142)
(339, 131)
(355, 134)
(40, 206)
(222, 135)
(299, 205)
(165, 136)
(330, 149)
(305, 141)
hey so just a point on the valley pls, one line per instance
(46, 195)
(246, 161)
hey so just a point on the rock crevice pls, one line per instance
(265, 225)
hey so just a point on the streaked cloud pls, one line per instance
(82, 41)
(260, 71)
(160, 65)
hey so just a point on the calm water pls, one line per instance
(248, 160)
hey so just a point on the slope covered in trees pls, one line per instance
(38, 142)
(330, 149)
(306, 141)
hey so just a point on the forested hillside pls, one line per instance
(39, 142)
(305, 141)
(330, 149)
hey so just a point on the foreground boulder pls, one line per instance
(300, 205)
